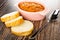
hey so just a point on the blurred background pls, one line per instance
(53, 4)
(9, 5)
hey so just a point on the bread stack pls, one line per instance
(19, 26)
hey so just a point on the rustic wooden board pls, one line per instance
(51, 32)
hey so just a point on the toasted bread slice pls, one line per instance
(24, 29)
(14, 22)
(10, 16)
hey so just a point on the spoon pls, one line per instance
(52, 17)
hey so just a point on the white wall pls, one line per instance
(52, 3)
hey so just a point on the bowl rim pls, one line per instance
(46, 10)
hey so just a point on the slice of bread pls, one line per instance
(10, 16)
(14, 22)
(24, 29)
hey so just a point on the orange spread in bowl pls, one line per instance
(31, 6)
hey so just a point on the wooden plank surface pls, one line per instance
(51, 32)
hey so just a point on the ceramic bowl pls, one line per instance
(34, 16)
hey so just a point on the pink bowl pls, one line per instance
(34, 16)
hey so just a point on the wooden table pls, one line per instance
(51, 32)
